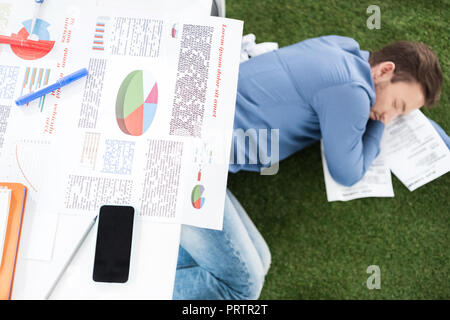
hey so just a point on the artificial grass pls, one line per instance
(321, 250)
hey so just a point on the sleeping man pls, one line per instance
(323, 88)
(327, 88)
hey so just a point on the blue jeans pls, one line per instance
(227, 264)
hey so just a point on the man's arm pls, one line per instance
(441, 132)
(351, 140)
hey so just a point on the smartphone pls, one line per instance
(113, 247)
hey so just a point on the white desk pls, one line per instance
(155, 246)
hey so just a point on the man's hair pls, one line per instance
(414, 61)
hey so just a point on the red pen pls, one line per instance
(32, 44)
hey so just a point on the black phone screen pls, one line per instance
(113, 248)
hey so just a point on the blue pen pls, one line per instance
(60, 83)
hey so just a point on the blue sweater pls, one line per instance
(316, 89)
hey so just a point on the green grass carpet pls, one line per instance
(321, 250)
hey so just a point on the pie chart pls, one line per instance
(196, 197)
(136, 102)
(41, 31)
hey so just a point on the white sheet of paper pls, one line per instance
(38, 235)
(377, 182)
(414, 151)
(32, 163)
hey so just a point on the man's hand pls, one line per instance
(383, 118)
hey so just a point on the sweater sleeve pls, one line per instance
(351, 140)
(441, 132)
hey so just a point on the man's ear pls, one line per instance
(387, 69)
(383, 71)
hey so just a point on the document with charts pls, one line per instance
(150, 126)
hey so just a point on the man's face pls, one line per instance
(393, 99)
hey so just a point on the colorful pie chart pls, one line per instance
(196, 197)
(41, 31)
(136, 102)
